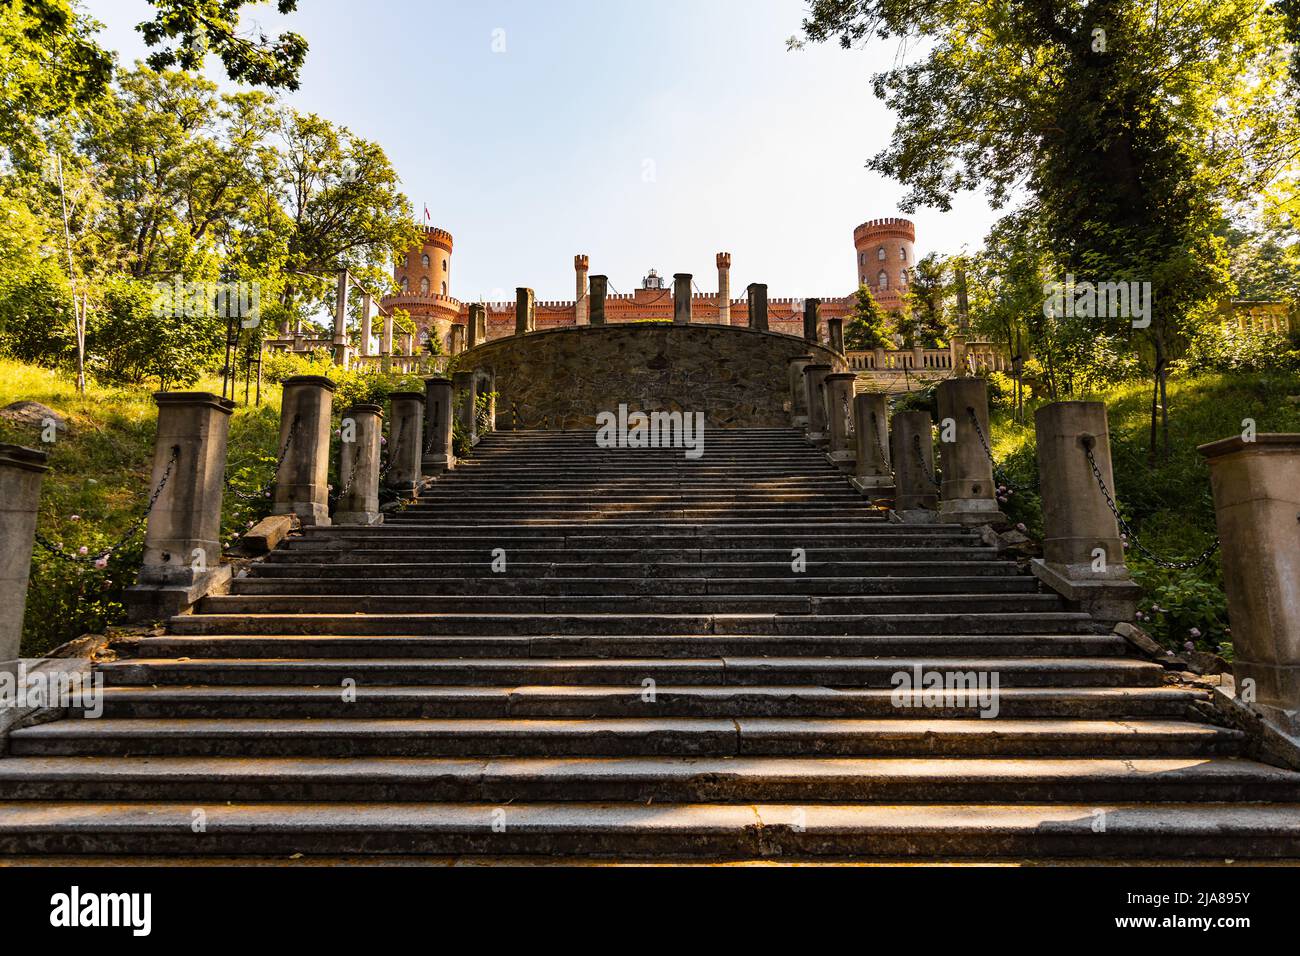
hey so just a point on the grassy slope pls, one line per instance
(1169, 501)
(98, 485)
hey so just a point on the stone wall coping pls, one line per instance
(413, 396)
(435, 379)
(841, 376)
(618, 327)
(818, 366)
(365, 407)
(319, 380)
(19, 456)
(1228, 446)
(195, 398)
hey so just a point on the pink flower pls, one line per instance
(74, 517)
(101, 563)
(1195, 632)
(1021, 527)
(1189, 646)
(83, 550)
(1140, 616)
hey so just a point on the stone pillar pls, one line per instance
(358, 501)
(581, 303)
(839, 419)
(386, 337)
(599, 286)
(957, 350)
(756, 293)
(465, 385)
(21, 472)
(458, 336)
(969, 494)
(476, 324)
(871, 433)
(408, 343)
(812, 312)
(367, 323)
(437, 455)
(341, 321)
(724, 288)
(405, 442)
(525, 311)
(182, 538)
(1083, 556)
(835, 331)
(682, 298)
(915, 497)
(301, 484)
(799, 391)
(1257, 506)
(814, 378)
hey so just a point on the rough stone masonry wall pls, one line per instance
(562, 378)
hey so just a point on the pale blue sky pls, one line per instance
(645, 134)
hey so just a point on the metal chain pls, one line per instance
(265, 491)
(916, 443)
(60, 552)
(999, 473)
(875, 436)
(352, 472)
(1132, 537)
(393, 448)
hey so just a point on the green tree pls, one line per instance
(868, 326)
(922, 319)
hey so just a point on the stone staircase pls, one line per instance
(647, 677)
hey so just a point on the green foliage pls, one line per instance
(922, 322)
(200, 27)
(1228, 348)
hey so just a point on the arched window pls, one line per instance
(406, 259)
(406, 284)
(902, 278)
(880, 254)
(424, 286)
(444, 288)
(863, 280)
(862, 258)
(424, 261)
(444, 266)
(882, 280)
(902, 253)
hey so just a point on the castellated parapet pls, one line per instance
(424, 272)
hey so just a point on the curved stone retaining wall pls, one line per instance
(562, 378)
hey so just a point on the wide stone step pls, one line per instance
(633, 646)
(649, 537)
(736, 557)
(964, 622)
(306, 566)
(1209, 831)
(647, 779)
(836, 672)
(647, 603)
(1212, 831)
(520, 583)
(667, 736)
(706, 700)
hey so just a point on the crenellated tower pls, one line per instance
(885, 258)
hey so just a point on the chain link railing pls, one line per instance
(999, 473)
(920, 458)
(63, 554)
(265, 491)
(875, 437)
(1131, 537)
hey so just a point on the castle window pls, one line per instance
(902, 278)
(444, 266)
(406, 285)
(424, 286)
(902, 253)
(880, 254)
(444, 288)
(882, 280)
(424, 261)
(406, 259)
(862, 258)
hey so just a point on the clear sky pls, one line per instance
(645, 134)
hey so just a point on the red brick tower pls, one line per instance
(423, 275)
(884, 249)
